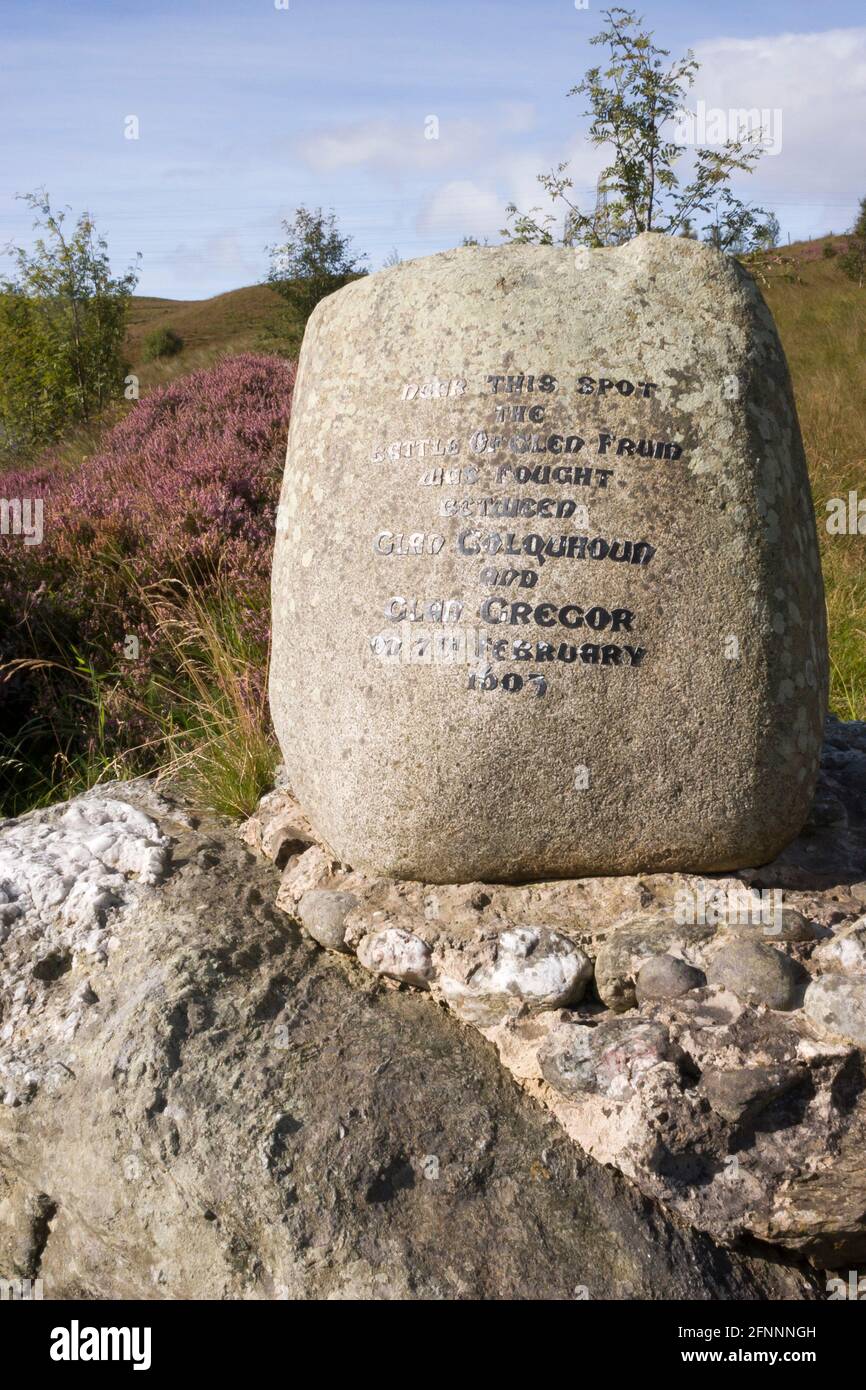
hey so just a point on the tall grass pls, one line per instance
(212, 712)
(821, 316)
(203, 715)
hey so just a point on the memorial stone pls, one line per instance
(547, 599)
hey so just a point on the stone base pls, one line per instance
(705, 1035)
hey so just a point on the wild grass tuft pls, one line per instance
(821, 316)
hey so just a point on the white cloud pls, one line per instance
(468, 207)
(519, 174)
(818, 84)
(427, 141)
(223, 257)
(463, 208)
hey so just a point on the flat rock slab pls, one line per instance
(217, 1109)
(547, 599)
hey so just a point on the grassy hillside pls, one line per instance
(226, 325)
(232, 323)
(821, 316)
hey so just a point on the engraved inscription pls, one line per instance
(509, 565)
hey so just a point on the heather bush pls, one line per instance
(168, 527)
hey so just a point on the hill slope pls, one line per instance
(821, 316)
(233, 322)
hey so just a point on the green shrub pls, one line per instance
(163, 342)
(62, 325)
(315, 260)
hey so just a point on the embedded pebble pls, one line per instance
(610, 1059)
(667, 977)
(399, 954)
(757, 973)
(836, 1005)
(524, 967)
(323, 912)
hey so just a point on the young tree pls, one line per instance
(313, 261)
(853, 260)
(633, 103)
(737, 229)
(62, 325)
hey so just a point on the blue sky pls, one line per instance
(246, 110)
